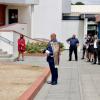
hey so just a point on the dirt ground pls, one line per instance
(15, 79)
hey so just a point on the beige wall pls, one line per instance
(24, 16)
(87, 9)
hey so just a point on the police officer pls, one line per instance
(74, 42)
(50, 51)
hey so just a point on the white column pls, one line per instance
(85, 26)
(32, 21)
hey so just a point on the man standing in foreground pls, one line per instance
(53, 52)
(74, 43)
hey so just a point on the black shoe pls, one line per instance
(54, 83)
(94, 63)
(82, 58)
(69, 60)
(88, 60)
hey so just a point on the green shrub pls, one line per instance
(35, 47)
(38, 47)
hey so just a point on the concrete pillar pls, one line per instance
(32, 21)
(85, 26)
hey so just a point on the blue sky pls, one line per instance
(88, 1)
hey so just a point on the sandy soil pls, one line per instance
(15, 79)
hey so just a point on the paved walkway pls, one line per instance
(34, 60)
(77, 81)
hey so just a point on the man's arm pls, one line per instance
(48, 50)
(68, 40)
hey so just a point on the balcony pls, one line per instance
(19, 1)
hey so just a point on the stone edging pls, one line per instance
(31, 92)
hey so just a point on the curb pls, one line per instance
(32, 91)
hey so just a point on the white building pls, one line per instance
(40, 18)
(34, 18)
(81, 21)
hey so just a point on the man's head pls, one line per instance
(74, 36)
(53, 36)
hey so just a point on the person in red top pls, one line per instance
(21, 47)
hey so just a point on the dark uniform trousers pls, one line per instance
(95, 55)
(71, 49)
(98, 51)
(84, 50)
(54, 71)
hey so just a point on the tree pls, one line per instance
(72, 4)
(79, 3)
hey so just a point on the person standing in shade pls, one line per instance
(53, 52)
(21, 47)
(95, 50)
(74, 43)
(98, 51)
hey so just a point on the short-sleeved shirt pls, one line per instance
(73, 42)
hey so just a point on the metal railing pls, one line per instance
(6, 40)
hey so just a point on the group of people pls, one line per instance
(91, 49)
(52, 51)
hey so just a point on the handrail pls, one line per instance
(33, 39)
(6, 40)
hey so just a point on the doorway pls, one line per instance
(13, 16)
(92, 30)
(2, 14)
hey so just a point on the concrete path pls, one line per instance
(77, 81)
(34, 60)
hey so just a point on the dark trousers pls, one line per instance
(98, 56)
(84, 50)
(71, 49)
(95, 55)
(54, 72)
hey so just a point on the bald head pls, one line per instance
(74, 36)
(53, 36)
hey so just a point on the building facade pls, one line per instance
(81, 21)
(40, 18)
